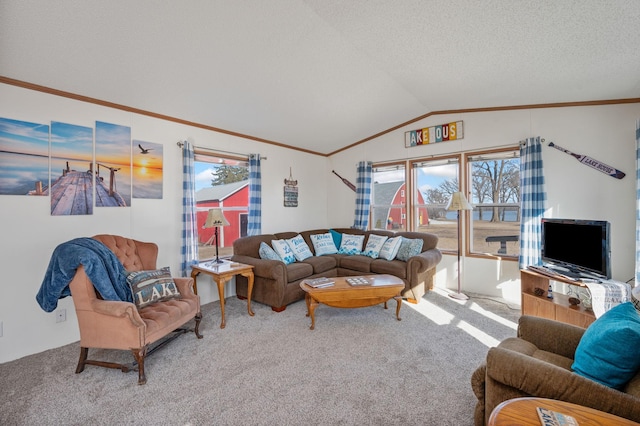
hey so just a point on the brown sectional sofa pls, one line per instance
(278, 285)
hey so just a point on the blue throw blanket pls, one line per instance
(103, 268)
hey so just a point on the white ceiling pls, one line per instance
(323, 74)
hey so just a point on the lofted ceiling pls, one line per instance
(320, 75)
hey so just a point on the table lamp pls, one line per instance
(215, 219)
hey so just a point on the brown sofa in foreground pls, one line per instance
(278, 285)
(538, 363)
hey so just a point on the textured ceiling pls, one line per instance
(323, 74)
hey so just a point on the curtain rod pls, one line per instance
(181, 144)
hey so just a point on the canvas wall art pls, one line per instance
(147, 169)
(113, 165)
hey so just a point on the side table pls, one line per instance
(221, 275)
(522, 412)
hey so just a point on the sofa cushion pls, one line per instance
(266, 252)
(390, 248)
(323, 244)
(374, 245)
(356, 263)
(351, 244)
(152, 286)
(397, 268)
(299, 247)
(298, 270)
(284, 251)
(608, 350)
(409, 248)
(322, 264)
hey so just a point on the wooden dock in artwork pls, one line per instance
(72, 194)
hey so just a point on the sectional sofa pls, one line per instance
(278, 284)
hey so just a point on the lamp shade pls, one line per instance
(215, 218)
(458, 202)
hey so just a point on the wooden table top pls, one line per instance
(522, 412)
(232, 268)
(341, 283)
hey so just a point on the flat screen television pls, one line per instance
(579, 248)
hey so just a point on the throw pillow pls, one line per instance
(323, 244)
(390, 248)
(351, 244)
(266, 252)
(148, 287)
(337, 237)
(284, 251)
(608, 350)
(299, 247)
(374, 245)
(409, 248)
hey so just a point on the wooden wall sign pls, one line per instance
(441, 133)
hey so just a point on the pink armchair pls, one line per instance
(121, 325)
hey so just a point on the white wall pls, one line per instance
(606, 133)
(30, 233)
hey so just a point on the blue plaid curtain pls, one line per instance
(254, 225)
(363, 195)
(637, 203)
(189, 250)
(533, 199)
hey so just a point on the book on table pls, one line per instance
(553, 418)
(319, 282)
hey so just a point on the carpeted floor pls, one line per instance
(359, 366)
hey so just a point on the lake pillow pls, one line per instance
(266, 252)
(284, 251)
(351, 244)
(152, 286)
(299, 247)
(409, 248)
(608, 350)
(374, 245)
(323, 244)
(390, 248)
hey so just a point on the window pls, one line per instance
(494, 184)
(389, 204)
(434, 181)
(221, 182)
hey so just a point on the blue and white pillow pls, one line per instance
(390, 248)
(323, 244)
(409, 248)
(351, 244)
(284, 251)
(299, 247)
(266, 252)
(374, 245)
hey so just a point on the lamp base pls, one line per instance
(459, 296)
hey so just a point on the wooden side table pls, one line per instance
(221, 275)
(522, 412)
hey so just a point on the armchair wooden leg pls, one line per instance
(84, 352)
(139, 355)
(197, 328)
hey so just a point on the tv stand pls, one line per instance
(558, 308)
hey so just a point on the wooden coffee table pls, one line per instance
(380, 289)
(522, 412)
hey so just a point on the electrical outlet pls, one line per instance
(61, 315)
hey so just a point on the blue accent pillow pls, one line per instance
(409, 248)
(299, 247)
(323, 244)
(390, 248)
(337, 237)
(608, 350)
(266, 252)
(284, 251)
(351, 244)
(374, 245)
